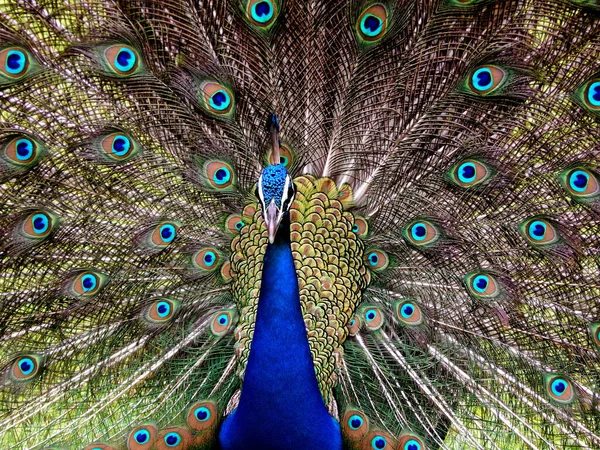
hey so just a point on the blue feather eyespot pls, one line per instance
(409, 313)
(262, 13)
(207, 259)
(373, 318)
(287, 157)
(360, 227)
(376, 259)
(223, 322)
(161, 310)
(26, 367)
(539, 232)
(88, 283)
(172, 439)
(560, 389)
(234, 223)
(119, 146)
(421, 233)
(485, 80)
(591, 95)
(581, 183)
(202, 416)
(469, 173)
(15, 64)
(39, 224)
(409, 441)
(216, 98)
(122, 60)
(23, 151)
(142, 438)
(354, 325)
(164, 233)
(595, 333)
(354, 425)
(218, 175)
(482, 285)
(372, 23)
(378, 442)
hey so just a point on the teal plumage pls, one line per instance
(432, 168)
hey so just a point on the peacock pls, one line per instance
(288, 224)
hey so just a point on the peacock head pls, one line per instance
(275, 191)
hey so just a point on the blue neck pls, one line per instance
(281, 405)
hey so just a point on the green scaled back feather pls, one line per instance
(458, 139)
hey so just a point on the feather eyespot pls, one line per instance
(174, 438)
(207, 259)
(372, 23)
(15, 64)
(421, 233)
(376, 259)
(354, 325)
(355, 425)
(234, 223)
(26, 368)
(409, 313)
(379, 440)
(360, 226)
(482, 285)
(373, 318)
(142, 438)
(591, 96)
(469, 173)
(486, 79)
(202, 416)
(164, 233)
(560, 389)
(262, 13)
(161, 310)
(581, 183)
(216, 98)
(408, 441)
(23, 151)
(39, 224)
(223, 322)
(539, 232)
(122, 60)
(595, 333)
(119, 146)
(88, 283)
(218, 175)
(287, 157)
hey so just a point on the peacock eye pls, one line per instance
(172, 439)
(409, 441)
(207, 259)
(355, 425)
(595, 333)
(164, 234)
(161, 310)
(469, 173)
(378, 442)
(581, 183)
(39, 224)
(372, 23)
(119, 146)
(26, 367)
(88, 283)
(222, 322)
(234, 223)
(216, 98)
(202, 416)
(373, 318)
(218, 175)
(486, 79)
(122, 59)
(409, 313)
(560, 389)
(142, 436)
(539, 231)
(421, 233)
(15, 64)
(262, 13)
(482, 285)
(22, 151)
(376, 259)
(591, 95)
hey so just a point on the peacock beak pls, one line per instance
(272, 219)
